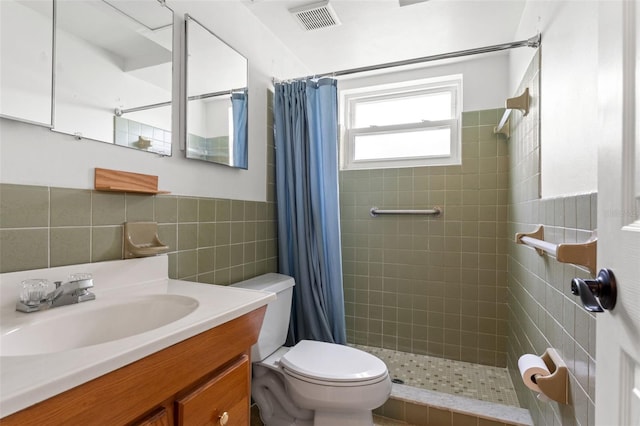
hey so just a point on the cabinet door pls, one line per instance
(223, 400)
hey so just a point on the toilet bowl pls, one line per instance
(312, 383)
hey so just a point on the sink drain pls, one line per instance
(398, 381)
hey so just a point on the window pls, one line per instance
(413, 124)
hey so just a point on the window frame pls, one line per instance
(352, 97)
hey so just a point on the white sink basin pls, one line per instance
(68, 328)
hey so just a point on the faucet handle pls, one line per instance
(80, 276)
(81, 281)
(33, 291)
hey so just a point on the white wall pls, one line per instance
(569, 70)
(36, 156)
(485, 79)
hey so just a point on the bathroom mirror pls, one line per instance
(113, 72)
(26, 64)
(216, 99)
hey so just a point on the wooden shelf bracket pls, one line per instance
(583, 254)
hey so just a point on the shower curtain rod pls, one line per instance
(533, 42)
(119, 111)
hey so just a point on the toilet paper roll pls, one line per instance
(530, 366)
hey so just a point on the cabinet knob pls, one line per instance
(223, 419)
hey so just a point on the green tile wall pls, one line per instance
(542, 312)
(211, 240)
(431, 285)
(46, 227)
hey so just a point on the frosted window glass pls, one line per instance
(409, 109)
(424, 143)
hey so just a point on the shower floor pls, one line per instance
(481, 382)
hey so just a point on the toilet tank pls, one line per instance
(276, 320)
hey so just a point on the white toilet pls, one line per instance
(311, 383)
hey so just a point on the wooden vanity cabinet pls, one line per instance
(204, 380)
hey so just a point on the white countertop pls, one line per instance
(26, 380)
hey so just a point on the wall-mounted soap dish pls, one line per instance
(141, 240)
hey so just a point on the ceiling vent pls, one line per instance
(315, 16)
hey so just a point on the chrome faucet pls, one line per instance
(76, 290)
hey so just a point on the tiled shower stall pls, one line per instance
(434, 285)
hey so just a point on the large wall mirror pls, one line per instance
(26, 64)
(217, 99)
(113, 72)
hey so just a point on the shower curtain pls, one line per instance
(239, 110)
(306, 140)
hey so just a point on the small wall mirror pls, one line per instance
(216, 99)
(26, 64)
(113, 72)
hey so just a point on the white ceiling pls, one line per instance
(380, 31)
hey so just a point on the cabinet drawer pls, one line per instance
(158, 418)
(227, 392)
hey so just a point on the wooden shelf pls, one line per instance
(119, 181)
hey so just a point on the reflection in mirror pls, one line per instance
(217, 99)
(26, 64)
(114, 72)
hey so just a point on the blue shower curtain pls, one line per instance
(306, 139)
(239, 109)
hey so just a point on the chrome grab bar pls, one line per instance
(374, 212)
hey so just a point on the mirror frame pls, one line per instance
(230, 92)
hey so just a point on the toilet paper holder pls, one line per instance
(556, 385)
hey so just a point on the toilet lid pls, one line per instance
(332, 362)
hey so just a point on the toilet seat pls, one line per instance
(334, 384)
(331, 364)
